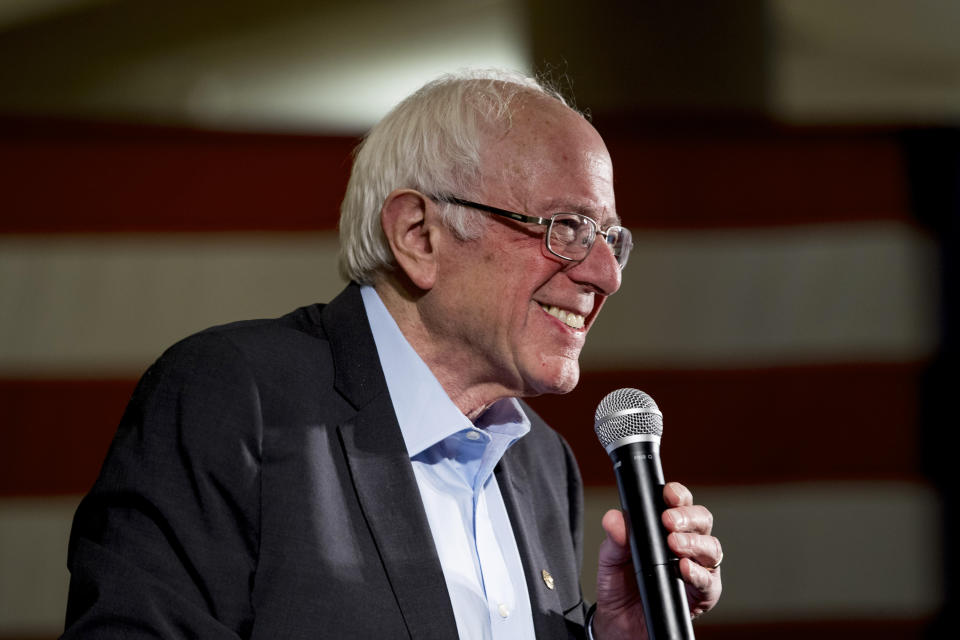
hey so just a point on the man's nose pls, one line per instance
(599, 269)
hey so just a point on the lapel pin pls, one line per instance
(547, 578)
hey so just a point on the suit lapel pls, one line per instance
(548, 619)
(382, 475)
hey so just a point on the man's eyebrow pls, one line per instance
(604, 220)
(567, 206)
(612, 220)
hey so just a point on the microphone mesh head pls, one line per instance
(627, 412)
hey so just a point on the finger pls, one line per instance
(697, 576)
(703, 586)
(706, 551)
(677, 495)
(694, 519)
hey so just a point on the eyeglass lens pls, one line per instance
(571, 236)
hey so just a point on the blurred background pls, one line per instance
(791, 171)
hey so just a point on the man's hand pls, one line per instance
(619, 608)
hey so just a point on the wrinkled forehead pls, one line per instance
(549, 155)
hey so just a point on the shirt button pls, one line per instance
(503, 610)
(473, 435)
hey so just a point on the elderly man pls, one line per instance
(363, 469)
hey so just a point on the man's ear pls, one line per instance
(408, 225)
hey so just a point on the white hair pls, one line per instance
(431, 142)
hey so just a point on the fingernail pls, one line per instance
(677, 519)
(683, 541)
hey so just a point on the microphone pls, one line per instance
(629, 425)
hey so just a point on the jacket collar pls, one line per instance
(386, 487)
(382, 476)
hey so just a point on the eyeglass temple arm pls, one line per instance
(519, 217)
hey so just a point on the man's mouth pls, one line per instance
(569, 318)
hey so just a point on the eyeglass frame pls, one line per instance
(548, 222)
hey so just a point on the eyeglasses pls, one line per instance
(569, 236)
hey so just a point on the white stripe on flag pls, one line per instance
(813, 551)
(90, 305)
(854, 550)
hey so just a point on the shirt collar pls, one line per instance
(424, 410)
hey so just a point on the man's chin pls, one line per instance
(562, 380)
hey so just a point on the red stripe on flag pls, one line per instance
(775, 178)
(70, 178)
(721, 427)
(56, 433)
(765, 425)
(77, 177)
(819, 629)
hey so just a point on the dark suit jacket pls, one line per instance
(258, 487)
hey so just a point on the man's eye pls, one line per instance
(565, 229)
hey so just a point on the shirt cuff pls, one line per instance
(589, 621)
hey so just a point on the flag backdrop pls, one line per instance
(781, 305)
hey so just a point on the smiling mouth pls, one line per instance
(569, 318)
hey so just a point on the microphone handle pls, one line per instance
(640, 481)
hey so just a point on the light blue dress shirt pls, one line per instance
(453, 461)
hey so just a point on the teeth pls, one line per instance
(567, 317)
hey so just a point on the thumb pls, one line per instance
(616, 584)
(615, 549)
(619, 608)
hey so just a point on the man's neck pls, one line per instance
(448, 363)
